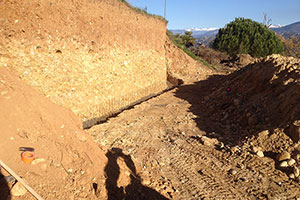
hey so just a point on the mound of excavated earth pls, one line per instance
(67, 162)
(264, 95)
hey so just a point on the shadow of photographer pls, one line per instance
(135, 189)
(4, 188)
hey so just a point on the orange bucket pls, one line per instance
(27, 156)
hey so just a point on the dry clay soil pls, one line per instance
(197, 141)
(219, 138)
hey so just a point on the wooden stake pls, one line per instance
(18, 178)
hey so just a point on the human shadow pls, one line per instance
(245, 102)
(135, 190)
(4, 188)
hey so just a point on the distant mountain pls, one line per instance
(275, 26)
(288, 30)
(197, 32)
(206, 35)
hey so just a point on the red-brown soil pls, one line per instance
(203, 141)
(70, 161)
(217, 136)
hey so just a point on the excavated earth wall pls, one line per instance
(93, 57)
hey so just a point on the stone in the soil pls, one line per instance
(283, 156)
(298, 157)
(18, 190)
(284, 164)
(232, 172)
(291, 162)
(260, 154)
(256, 149)
(37, 161)
(209, 141)
(292, 176)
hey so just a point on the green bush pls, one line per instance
(181, 43)
(244, 36)
(177, 41)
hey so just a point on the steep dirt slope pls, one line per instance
(69, 162)
(93, 57)
(181, 68)
(227, 137)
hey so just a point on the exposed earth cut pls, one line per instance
(233, 136)
(216, 134)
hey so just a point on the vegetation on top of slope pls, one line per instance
(244, 36)
(291, 45)
(143, 11)
(182, 41)
(177, 40)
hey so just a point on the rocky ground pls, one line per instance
(230, 136)
(67, 162)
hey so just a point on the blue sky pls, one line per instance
(217, 13)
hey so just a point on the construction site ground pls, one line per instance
(227, 136)
(213, 139)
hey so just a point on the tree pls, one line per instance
(244, 36)
(291, 45)
(187, 39)
(267, 20)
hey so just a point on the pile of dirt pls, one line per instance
(67, 162)
(262, 95)
(257, 106)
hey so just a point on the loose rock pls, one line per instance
(292, 176)
(18, 190)
(209, 141)
(256, 149)
(284, 164)
(291, 162)
(232, 172)
(260, 154)
(37, 161)
(283, 156)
